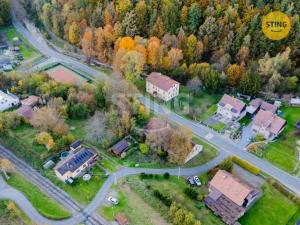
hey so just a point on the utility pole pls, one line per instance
(178, 172)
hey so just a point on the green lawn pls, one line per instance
(173, 188)
(11, 214)
(82, 191)
(245, 120)
(199, 106)
(283, 152)
(218, 126)
(208, 153)
(42, 203)
(26, 49)
(129, 205)
(272, 208)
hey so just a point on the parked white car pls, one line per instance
(197, 181)
(113, 200)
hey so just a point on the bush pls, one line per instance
(246, 165)
(79, 111)
(144, 148)
(165, 199)
(191, 193)
(166, 175)
(226, 164)
(259, 138)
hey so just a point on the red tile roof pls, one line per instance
(256, 102)
(269, 120)
(268, 107)
(231, 187)
(30, 100)
(233, 102)
(25, 111)
(161, 81)
(156, 123)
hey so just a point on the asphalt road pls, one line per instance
(225, 146)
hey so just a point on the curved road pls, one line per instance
(225, 146)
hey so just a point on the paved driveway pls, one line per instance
(246, 136)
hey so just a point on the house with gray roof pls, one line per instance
(76, 164)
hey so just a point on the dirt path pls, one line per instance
(153, 216)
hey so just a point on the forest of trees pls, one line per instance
(5, 17)
(219, 42)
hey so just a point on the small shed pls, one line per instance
(121, 219)
(26, 112)
(119, 148)
(295, 101)
(76, 145)
(30, 101)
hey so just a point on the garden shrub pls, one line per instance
(165, 199)
(166, 175)
(191, 193)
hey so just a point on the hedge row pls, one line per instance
(246, 165)
(279, 187)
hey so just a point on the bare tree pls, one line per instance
(6, 166)
(95, 128)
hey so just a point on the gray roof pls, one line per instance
(73, 162)
(75, 144)
(120, 147)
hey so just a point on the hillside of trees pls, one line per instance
(5, 17)
(218, 43)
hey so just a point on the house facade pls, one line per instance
(268, 124)
(162, 86)
(76, 164)
(231, 108)
(8, 101)
(230, 198)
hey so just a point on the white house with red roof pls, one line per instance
(231, 108)
(268, 124)
(162, 86)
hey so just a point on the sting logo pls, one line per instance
(276, 25)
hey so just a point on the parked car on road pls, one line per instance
(113, 200)
(197, 181)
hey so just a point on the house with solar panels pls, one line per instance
(76, 164)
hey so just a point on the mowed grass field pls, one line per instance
(132, 207)
(272, 208)
(283, 153)
(42, 203)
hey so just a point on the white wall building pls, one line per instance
(8, 101)
(267, 124)
(162, 86)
